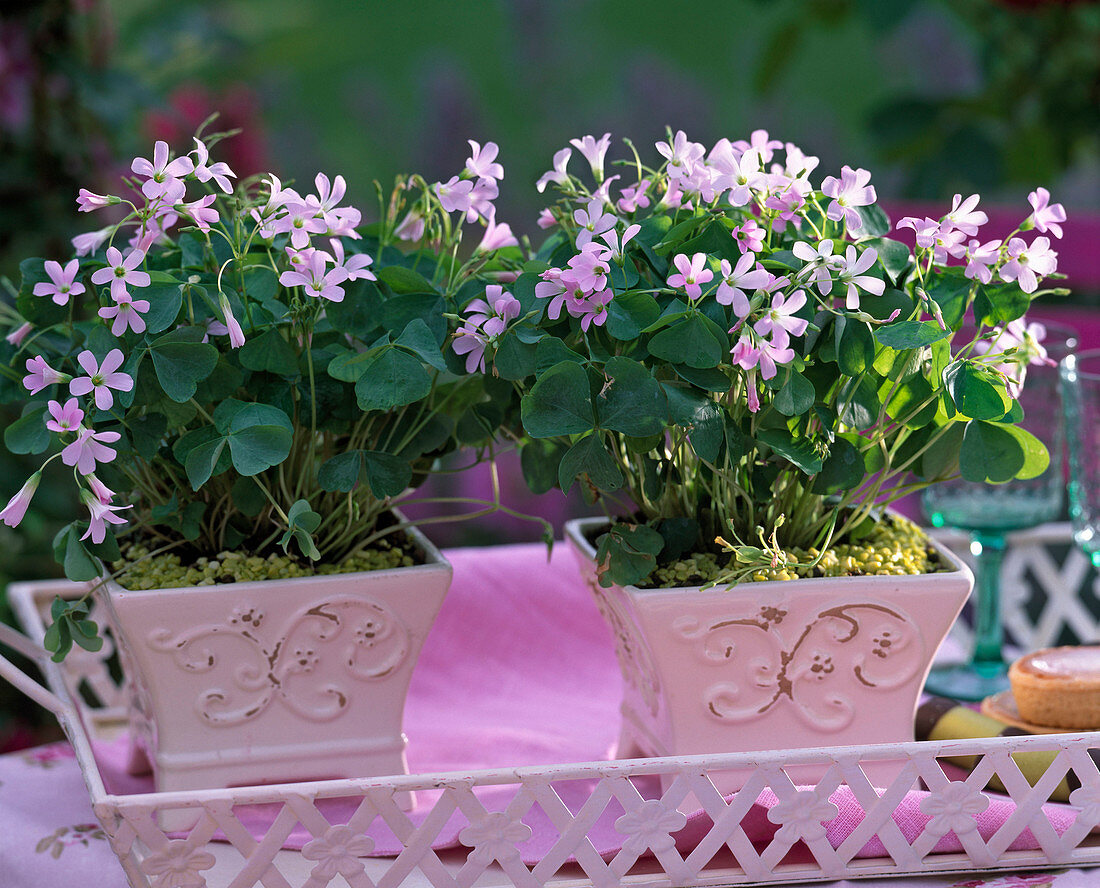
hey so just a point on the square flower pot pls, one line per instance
(790, 664)
(276, 681)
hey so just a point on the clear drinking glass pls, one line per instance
(1081, 402)
(988, 512)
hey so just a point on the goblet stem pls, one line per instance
(987, 659)
(985, 674)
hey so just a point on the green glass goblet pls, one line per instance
(1080, 376)
(989, 512)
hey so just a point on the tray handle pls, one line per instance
(23, 682)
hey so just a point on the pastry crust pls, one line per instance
(1059, 687)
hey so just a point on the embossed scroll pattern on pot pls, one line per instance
(880, 646)
(368, 639)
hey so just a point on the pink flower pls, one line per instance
(215, 328)
(154, 230)
(411, 227)
(201, 212)
(1027, 339)
(787, 201)
(772, 352)
(315, 281)
(496, 237)
(941, 237)
(1045, 217)
(497, 303)
(594, 311)
(964, 217)
(593, 222)
(618, 247)
(41, 375)
(594, 151)
(780, 321)
(682, 155)
(277, 196)
(101, 491)
(16, 508)
(588, 269)
(546, 219)
(819, 263)
(979, 259)
(163, 178)
(339, 221)
(101, 379)
(62, 283)
(603, 193)
(65, 418)
(484, 192)
(454, 194)
(127, 313)
(746, 356)
(87, 201)
(16, 336)
(851, 190)
(88, 449)
(735, 280)
(748, 237)
(692, 273)
(299, 259)
(356, 265)
(121, 271)
(481, 163)
(86, 244)
(850, 275)
(759, 142)
(1027, 263)
(739, 174)
(300, 221)
(100, 514)
(557, 175)
(470, 341)
(552, 287)
(217, 171)
(798, 165)
(236, 334)
(634, 197)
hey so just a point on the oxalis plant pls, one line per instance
(720, 344)
(236, 366)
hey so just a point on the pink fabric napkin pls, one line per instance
(520, 670)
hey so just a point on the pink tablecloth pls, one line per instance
(519, 669)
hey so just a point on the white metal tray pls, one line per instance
(721, 851)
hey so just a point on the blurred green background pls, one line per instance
(933, 96)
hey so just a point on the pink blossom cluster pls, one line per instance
(84, 448)
(470, 193)
(741, 173)
(317, 271)
(764, 343)
(486, 319)
(955, 236)
(158, 202)
(582, 287)
(157, 205)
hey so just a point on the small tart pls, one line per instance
(1059, 687)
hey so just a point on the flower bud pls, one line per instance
(16, 508)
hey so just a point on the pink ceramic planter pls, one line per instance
(276, 681)
(777, 665)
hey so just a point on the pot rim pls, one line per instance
(575, 532)
(434, 562)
